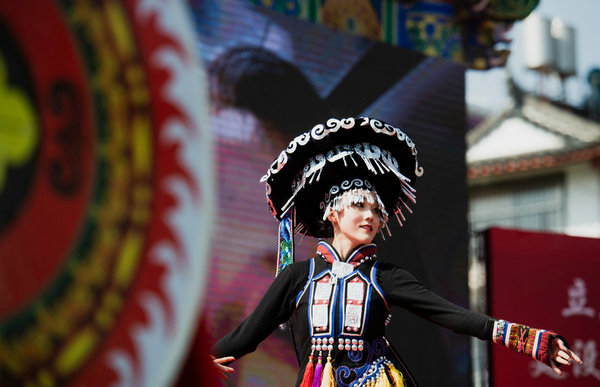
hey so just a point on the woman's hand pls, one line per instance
(561, 354)
(223, 370)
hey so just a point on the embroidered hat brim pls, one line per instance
(337, 156)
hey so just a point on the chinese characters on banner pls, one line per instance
(587, 350)
(546, 281)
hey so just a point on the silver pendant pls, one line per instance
(341, 269)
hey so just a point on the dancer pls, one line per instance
(344, 180)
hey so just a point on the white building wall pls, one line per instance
(582, 186)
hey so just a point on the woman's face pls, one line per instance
(357, 223)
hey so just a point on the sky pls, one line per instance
(486, 90)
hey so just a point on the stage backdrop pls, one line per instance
(547, 281)
(274, 76)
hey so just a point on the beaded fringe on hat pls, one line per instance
(355, 196)
(359, 195)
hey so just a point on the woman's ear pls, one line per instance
(333, 217)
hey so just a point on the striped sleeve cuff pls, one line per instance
(523, 339)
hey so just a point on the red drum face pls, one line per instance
(105, 191)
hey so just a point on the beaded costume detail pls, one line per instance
(339, 300)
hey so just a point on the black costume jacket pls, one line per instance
(342, 309)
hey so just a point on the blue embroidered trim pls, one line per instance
(346, 376)
(376, 285)
(330, 254)
(329, 249)
(357, 255)
(310, 274)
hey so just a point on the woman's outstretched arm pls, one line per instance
(275, 308)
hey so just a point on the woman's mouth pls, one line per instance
(367, 227)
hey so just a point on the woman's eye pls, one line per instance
(359, 205)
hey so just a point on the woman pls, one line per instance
(342, 179)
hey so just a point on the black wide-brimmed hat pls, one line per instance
(338, 156)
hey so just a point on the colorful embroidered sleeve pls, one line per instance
(275, 308)
(523, 339)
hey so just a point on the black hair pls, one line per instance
(325, 228)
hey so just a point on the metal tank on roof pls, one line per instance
(538, 43)
(549, 45)
(563, 37)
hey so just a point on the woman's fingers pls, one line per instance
(563, 360)
(222, 360)
(221, 368)
(565, 352)
(555, 367)
(225, 369)
(575, 357)
(562, 355)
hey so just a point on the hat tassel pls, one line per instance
(285, 246)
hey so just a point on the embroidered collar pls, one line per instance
(356, 256)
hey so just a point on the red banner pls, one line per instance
(547, 281)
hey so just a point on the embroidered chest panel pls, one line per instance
(322, 303)
(339, 305)
(355, 296)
